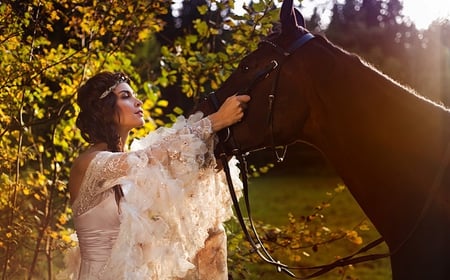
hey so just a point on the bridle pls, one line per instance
(227, 137)
(274, 65)
(253, 238)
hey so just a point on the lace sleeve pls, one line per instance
(179, 146)
(170, 148)
(103, 172)
(172, 205)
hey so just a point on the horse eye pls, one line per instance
(245, 68)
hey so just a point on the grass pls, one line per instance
(297, 187)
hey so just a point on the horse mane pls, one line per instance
(359, 62)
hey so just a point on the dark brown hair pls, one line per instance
(96, 117)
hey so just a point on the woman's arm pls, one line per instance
(186, 143)
(231, 111)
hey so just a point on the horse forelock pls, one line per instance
(280, 39)
(272, 36)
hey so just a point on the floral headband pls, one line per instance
(122, 79)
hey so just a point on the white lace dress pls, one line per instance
(170, 220)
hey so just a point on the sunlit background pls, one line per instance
(422, 13)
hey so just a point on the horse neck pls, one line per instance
(384, 141)
(358, 108)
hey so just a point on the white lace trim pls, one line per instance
(171, 201)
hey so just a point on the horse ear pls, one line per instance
(299, 18)
(286, 14)
(290, 17)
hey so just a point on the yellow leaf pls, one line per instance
(339, 188)
(49, 27)
(203, 9)
(54, 235)
(354, 237)
(66, 238)
(364, 227)
(62, 219)
(162, 103)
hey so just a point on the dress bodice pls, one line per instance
(97, 231)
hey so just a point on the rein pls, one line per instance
(253, 237)
(285, 54)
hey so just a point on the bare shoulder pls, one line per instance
(78, 171)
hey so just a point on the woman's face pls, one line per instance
(130, 114)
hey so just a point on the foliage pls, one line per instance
(48, 48)
(309, 189)
(201, 60)
(297, 243)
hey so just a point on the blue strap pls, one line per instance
(300, 42)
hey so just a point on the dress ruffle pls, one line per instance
(170, 205)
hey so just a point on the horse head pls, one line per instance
(262, 75)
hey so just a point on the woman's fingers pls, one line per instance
(231, 112)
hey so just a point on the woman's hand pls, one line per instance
(231, 111)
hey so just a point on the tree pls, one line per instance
(378, 32)
(48, 49)
(430, 62)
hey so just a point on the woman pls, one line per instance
(155, 212)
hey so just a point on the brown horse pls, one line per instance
(388, 144)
